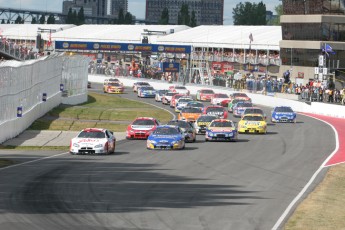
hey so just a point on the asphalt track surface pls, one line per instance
(214, 185)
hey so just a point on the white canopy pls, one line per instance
(117, 33)
(30, 31)
(264, 37)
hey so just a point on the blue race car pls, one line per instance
(283, 114)
(166, 137)
(239, 108)
(146, 91)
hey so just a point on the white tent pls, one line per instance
(30, 31)
(117, 33)
(237, 37)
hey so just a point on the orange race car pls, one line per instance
(190, 114)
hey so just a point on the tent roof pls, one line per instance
(264, 37)
(29, 31)
(116, 33)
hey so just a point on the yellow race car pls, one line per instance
(252, 123)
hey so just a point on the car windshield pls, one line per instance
(166, 131)
(196, 104)
(253, 118)
(147, 88)
(161, 92)
(222, 124)
(143, 83)
(191, 110)
(206, 91)
(185, 100)
(244, 104)
(181, 124)
(114, 79)
(283, 109)
(258, 111)
(170, 94)
(206, 118)
(91, 134)
(214, 109)
(221, 96)
(143, 122)
(180, 87)
(240, 95)
(114, 84)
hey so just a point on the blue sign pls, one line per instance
(171, 67)
(19, 111)
(109, 46)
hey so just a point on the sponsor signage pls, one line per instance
(300, 75)
(108, 46)
(171, 67)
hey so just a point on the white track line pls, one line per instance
(28, 162)
(298, 197)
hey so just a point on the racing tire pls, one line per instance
(206, 140)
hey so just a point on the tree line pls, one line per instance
(246, 13)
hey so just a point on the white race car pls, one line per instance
(93, 141)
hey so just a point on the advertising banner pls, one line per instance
(108, 46)
(171, 67)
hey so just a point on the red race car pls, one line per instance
(174, 99)
(141, 128)
(204, 94)
(240, 96)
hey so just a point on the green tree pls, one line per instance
(279, 11)
(69, 18)
(183, 16)
(19, 20)
(128, 18)
(33, 20)
(193, 20)
(75, 18)
(121, 17)
(249, 14)
(42, 19)
(81, 16)
(51, 19)
(164, 20)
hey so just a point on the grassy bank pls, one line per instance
(323, 208)
(114, 113)
(4, 163)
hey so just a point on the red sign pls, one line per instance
(300, 75)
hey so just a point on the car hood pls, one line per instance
(162, 138)
(221, 129)
(252, 123)
(89, 141)
(142, 127)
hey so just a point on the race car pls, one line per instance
(254, 110)
(113, 87)
(138, 84)
(180, 89)
(190, 114)
(166, 137)
(160, 94)
(217, 98)
(146, 91)
(181, 103)
(283, 114)
(231, 105)
(196, 104)
(93, 141)
(141, 128)
(204, 94)
(225, 102)
(112, 80)
(203, 122)
(216, 110)
(187, 128)
(240, 96)
(221, 130)
(239, 108)
(167, 98)
(174, 99)
(252, 123)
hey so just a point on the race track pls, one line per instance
(244, 185)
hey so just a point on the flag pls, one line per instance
(251, 37)
(328, 49)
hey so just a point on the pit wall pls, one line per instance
(269, 101)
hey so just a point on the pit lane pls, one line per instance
(209, 185)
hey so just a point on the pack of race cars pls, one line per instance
(194, 118)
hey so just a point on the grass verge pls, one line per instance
(323, 208)
(113, 113)
(11, 147)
